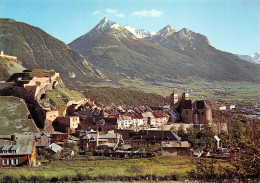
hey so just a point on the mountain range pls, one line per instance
(169, 55)
(37, 49)
(110, 50)
(254, 58)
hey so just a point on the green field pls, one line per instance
(14, 116)
(162, 168)
(198, 89)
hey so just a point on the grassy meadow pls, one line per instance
(161, 168)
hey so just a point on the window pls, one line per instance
(187, 112)
(4, 151)
(202, 113)
(14, 161)
(5, 162)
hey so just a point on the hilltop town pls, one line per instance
(66, 121)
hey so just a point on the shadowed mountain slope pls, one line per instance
(37, 49)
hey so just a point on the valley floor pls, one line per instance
(198, 89)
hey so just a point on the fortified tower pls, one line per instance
(174, 98)
(185, 96)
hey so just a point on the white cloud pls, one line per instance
(111, 11)
(147, 13)
(95, 13)
(120, 15)
(115, 13)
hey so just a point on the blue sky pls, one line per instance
(230, 25)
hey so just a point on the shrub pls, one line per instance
(23, 178)
(135, 169)
(10, 179)
(66, 179)
(39, 178)
(54, 179)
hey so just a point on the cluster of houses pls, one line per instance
(249, 111)
(20, 149)
(91, 115)
(84, 114)
(96, 126)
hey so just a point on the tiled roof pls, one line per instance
(156, 135)
(112, 136)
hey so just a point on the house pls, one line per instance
(138, 120)
(18, 150)
(152, 137)
(89, 140)
(149, 118)
(92, 139)
(99, 124)
(42, 140)
(126, 133)
(160, 118)
(124, 121)
(170, 143)
(58, 138)
(66, 124)
(175, 148)
(111, 140)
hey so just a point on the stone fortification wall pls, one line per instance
(36, 111)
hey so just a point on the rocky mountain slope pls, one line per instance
(37, 49)
(169, 55)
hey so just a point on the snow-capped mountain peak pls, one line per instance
(254, 58)
(106, 24)
(166, 31)
(139, 33)
(130, 28)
